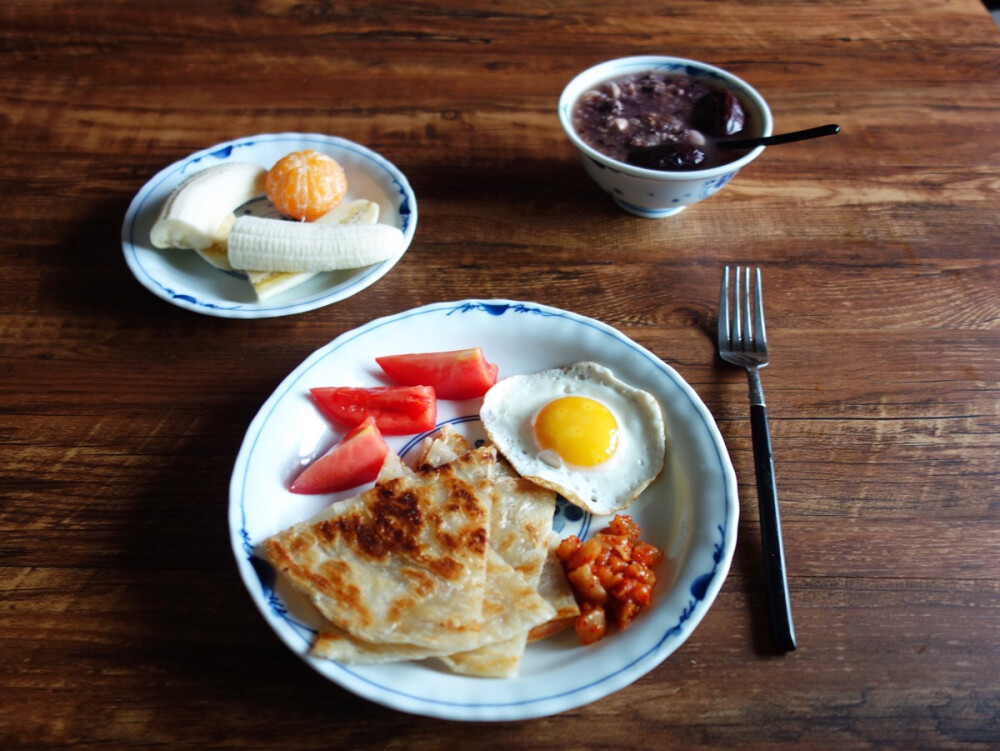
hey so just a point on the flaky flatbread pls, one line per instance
(520, 525)
(510, 607)
(521, 531)
(521, 517)
(404, 562)
(555, 590)
(452, 560)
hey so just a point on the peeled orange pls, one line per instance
(305, 185)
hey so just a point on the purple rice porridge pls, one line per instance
(661, 121)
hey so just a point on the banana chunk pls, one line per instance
(278, 245)
(198, 214)
(358, 211)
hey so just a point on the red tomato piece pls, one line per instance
(457, 374)
(398, 410)
(355, 460)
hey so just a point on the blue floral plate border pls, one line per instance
(691, 511)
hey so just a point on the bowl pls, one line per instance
(655, 193)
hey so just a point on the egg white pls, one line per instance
(508, 410)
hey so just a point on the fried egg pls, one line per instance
(580, 431)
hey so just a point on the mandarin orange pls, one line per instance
(305, 185)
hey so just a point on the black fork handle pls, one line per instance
(775, 580)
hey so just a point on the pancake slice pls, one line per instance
(510, 607)
(452, 560)
(402, 563)
(520, 525)
(555, 590)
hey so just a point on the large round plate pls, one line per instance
(690, 512)
(185, 279)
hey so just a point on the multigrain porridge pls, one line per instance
(662, 121)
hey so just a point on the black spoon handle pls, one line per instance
(798, 135)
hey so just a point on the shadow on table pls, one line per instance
(178, 653)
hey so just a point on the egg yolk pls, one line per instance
(580, 430)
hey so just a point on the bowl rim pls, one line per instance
(622, 66)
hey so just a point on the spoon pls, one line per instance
(798, 135)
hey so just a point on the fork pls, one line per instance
(743, 342)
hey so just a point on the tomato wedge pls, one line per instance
(398, 410)
(355, 460)
(458, 374)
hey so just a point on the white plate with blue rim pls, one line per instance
(183, 278)
(690, 512)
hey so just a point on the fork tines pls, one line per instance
(742, 332)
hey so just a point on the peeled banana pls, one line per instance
(275, 254)
(198, 214)
(277, 245)
(267, 284)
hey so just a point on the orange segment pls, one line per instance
(305, 185)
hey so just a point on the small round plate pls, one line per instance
(183, 278)
(690, 512)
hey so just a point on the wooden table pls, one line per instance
(123, 621)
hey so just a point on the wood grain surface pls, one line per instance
(123, 622)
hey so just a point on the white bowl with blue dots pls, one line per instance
(651, 193)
